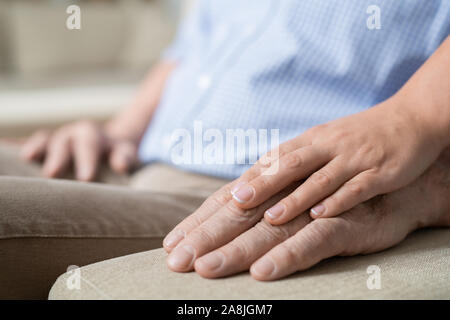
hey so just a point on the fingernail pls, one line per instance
(238, 186)
(212, 261)
(173, 238)
(182, 257)
(318, 210)
(244, 194)
(276, 211)
(264, 267)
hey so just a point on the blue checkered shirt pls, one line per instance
(287, 65)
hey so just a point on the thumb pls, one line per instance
(123, 156)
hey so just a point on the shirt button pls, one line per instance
(204, 82)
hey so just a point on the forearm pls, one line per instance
(426, 96)
(131, 122)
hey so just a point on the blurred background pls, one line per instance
(50, 75)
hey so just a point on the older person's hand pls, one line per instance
(82, 144)
(221, 239)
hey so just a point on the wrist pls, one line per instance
(430, 121)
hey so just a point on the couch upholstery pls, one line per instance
(418, 268)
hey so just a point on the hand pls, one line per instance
(84, 143)
(207, 239)
(345, 162)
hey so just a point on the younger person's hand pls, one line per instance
(345, 162)
(350, 160)
(84, 143)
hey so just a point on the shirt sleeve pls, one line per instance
(191, 32)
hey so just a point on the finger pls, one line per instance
(318, 186)
(220, 198)
(319, 240)
(239, 254)
(58, 154)
(123, 157)
(34, 148)
(264, 163)
(291, 167)
(87, 148)
(220, 228)
(267, 164)
(357, 190)
(209, 207)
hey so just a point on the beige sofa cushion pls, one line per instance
(418, 268)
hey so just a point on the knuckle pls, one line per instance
(366, 149)
(333, 232)
(221, 197)
(323, 231)
(238, 250)
(355, 189)
(255, 171)
(292, 160)
(374, 152)
(264, 183)
(264, 161)
(275, 153)
(237, 214)
(321, 178)
(341, 134)
(318, 233)
(390, 173)
(373, 172)
(202, 235)
(293, 201)
(335, 202)
(291, 252)
(272, 232)
(190, 223)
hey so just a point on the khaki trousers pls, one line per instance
(48, 225)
